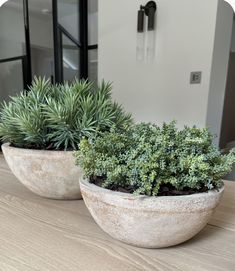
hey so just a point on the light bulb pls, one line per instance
(232, 3)
(140, 43)
(2, 2)
(150, 46)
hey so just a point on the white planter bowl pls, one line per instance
(150, 222)
(50, 174)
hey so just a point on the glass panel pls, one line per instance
(11, 79)
(71, 59)
(92, 22)
(68, 16)
(93, 65)
(12, 35)
(41, 38)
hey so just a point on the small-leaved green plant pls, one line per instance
(59, 116)
(152, 160)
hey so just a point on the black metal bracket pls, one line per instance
(83, 13)
(27, 60)
(149, 10)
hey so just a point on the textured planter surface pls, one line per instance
(151, 222)
(50, 174)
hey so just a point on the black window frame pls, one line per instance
(58, 31)
(26, 57)
(82, 44)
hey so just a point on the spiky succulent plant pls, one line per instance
(147, 159)
(59, 116)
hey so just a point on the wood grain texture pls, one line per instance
(49, 235)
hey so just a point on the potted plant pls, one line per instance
(152, 186)
(43, 126)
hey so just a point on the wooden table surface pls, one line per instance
(49, 235)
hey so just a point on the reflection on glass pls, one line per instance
(11, 79)
(93, 65)
(92, 22)
(12, 37)
(41, 38)
(68, 16)
(71, 59)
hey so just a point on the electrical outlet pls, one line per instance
(195, 77)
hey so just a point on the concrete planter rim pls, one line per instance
(98, 189)
(8, 145)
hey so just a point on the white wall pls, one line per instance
(221, 52)
(159, 91)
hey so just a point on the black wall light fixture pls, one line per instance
(149, 10)
(145, 47)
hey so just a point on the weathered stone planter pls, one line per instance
(50, 174)
(151, 222)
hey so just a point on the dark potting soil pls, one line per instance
(49, 147)
(165, 189)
